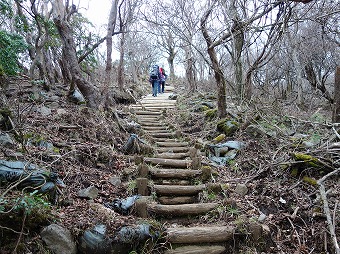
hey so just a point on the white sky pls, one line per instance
(97, 11)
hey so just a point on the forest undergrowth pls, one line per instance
(287, 151)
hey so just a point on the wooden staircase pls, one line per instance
(176, 177)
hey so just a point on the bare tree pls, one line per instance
(61, 17)
(336, 111)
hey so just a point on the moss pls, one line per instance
(295, 172)
(211, 113)
(228, 126)
(204, 108)
(308, 159)
(219, 138)
(310, 180)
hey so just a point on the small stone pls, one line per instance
(115, 180)
(61, 111)
(6, 140)
(241, 189)
(262, 217)
(90, 192)
(45, 111)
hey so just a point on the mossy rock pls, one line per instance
(307, 159)
(211, 113)
(219, 138)
(228, 126)
(310, 180)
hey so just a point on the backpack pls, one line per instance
(154, 71)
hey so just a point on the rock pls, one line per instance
(77, 97)
(255, 131)
(58, 239)
(228, 126)
(241, 189)
(95, 241)
(208, 104)
(261, 217)
(308, 144)
(90, 192)
(45, 111)
(6, 140)
(61, 111)
(256, 231)
(219, 138)
(115, 180)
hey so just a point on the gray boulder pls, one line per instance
(58, 239)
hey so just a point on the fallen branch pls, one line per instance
(326, 209)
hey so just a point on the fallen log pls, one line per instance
(178, 190)
(200, 234)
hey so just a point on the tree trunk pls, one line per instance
(120, 74)
(70, 56)
(219, 76)
(189, 71)
(336, 112)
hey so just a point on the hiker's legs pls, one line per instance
(155, 85)
(159, 87)
(163, 84)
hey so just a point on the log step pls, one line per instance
(177, 200)
(153, 128)
(168, 162)
(172, 144)
(171, 181)
(178, 190)
(172, 155)
(197, 250)
(174, 173)
(205, 234)
(151, 124)
(150, 113)
(172, 149)
(161, 135)
(181, 210)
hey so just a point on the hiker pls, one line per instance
(155, 78)
(163, 79)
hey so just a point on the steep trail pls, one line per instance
(175, 176)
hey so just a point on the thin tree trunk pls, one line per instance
(336, 112)
(219, 76)
(120, 78)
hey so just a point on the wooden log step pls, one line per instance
(178, 190)
(165, 140)
(206, 234)
(141, 112)
(172, 144)
(177, 200)
(172, 149)
(174, 173)
(153, 128)
(172, 155)
(149, 107)
(168, 162)
(149, 119)
(171, 182)
(181, 210)
(161, 135)
(151, 124)
(213, 249)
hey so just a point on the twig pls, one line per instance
(21, 232)
(336, 133)
(326, 209)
